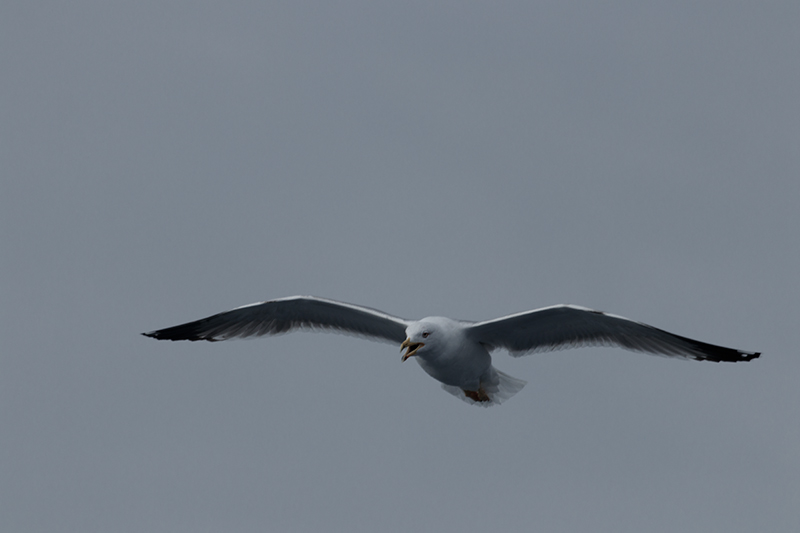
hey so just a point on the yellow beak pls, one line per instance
(412, 348)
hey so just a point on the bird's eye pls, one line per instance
(425, 334)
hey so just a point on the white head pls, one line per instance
(426, 337)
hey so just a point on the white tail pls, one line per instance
(499, 387)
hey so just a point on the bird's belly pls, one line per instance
(462, 369)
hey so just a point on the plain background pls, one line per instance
(166, 160)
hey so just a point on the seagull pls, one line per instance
(454, 352)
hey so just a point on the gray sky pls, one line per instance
(164, 161)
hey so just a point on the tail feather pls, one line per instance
(497, 387)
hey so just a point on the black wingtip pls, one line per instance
(702, 351)
(742, 356)
(749, 356)
(184, 332)
(728, 355)
(158, 335)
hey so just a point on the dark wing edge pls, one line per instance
(283, 315)
(566, 326)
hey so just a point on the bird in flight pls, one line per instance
(454, 352)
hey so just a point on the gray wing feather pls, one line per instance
(287, 314)
(567, 326)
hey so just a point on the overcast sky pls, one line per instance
(163, 161)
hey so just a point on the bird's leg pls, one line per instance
(478, 395)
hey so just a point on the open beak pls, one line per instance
(412, 348)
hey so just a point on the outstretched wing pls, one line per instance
(568, 326)
(286, 314)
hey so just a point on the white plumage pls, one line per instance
(455, 352)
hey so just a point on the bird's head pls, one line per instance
(422, 338)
